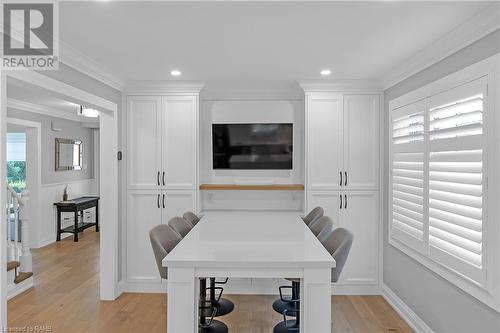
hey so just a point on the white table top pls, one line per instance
(250, 239)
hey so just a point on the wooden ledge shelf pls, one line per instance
(273, 187)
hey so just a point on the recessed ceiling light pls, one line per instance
(326, 72)
(175, 72)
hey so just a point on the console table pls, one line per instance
(75, 206)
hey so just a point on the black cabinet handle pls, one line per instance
(345, 203)
(163, 177)
(345, 178)
(158, 178)
(340, 178)
(158, 201)
(163, 201)
(340, 196)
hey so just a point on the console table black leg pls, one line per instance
(76, 226)
(58, 238)
(97, 217)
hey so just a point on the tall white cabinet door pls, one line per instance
(180, 141)
(361, 216)
(324, 128)
(143, 142)
(361, 141)
(143, 213)
(329, 201)
(177, 203)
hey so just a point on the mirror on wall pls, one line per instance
(69, 154)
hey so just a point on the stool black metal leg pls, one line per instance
(203, 295)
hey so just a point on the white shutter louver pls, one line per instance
(407, 180)
(456, 181)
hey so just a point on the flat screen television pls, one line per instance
(252, 146)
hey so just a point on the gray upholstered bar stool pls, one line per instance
(223, 306)
(338, 243)
(313, 215)
(163, 240)
(292, 303)
(213, 306)
(191, 218)
(181, 226)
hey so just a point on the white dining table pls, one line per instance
(249, 245)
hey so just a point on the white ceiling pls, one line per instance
(259, 43)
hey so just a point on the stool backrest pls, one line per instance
(191, 218)
(338, 244)
(181, 226)
(313, 215)
(326, 231)
(318, 225)
(163, 240)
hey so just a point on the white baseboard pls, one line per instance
(142, 287)
(356, 289)
(15, 289)
(405, 311)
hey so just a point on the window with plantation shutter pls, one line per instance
(444, 178)
(438, 180)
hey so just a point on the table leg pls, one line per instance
(58, 225)
(97, 217)
(75, 215)
(182, 306)
(316, 301)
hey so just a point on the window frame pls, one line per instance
(489, 291)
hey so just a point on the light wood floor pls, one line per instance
(66, 298)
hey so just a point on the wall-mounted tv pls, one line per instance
(264, 146)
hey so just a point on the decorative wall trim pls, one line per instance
(88, 66)
(478, 26)
(371, 86)
(163, 87)
(405, 311)
(69, 182)
(47, 111)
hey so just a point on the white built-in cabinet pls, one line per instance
(162, 176)
(342, 175)
(342, 135)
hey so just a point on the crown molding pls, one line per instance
(340, 85)
(16, 104)
(75, 59)
(477, 27)
(163, 87)
(88, 66)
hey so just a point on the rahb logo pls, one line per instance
(30, 35)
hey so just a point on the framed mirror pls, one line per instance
(69, 154)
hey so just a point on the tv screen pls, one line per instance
(252, 146)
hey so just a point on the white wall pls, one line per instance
(69, 130)
(443, 306)
(251, 111)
